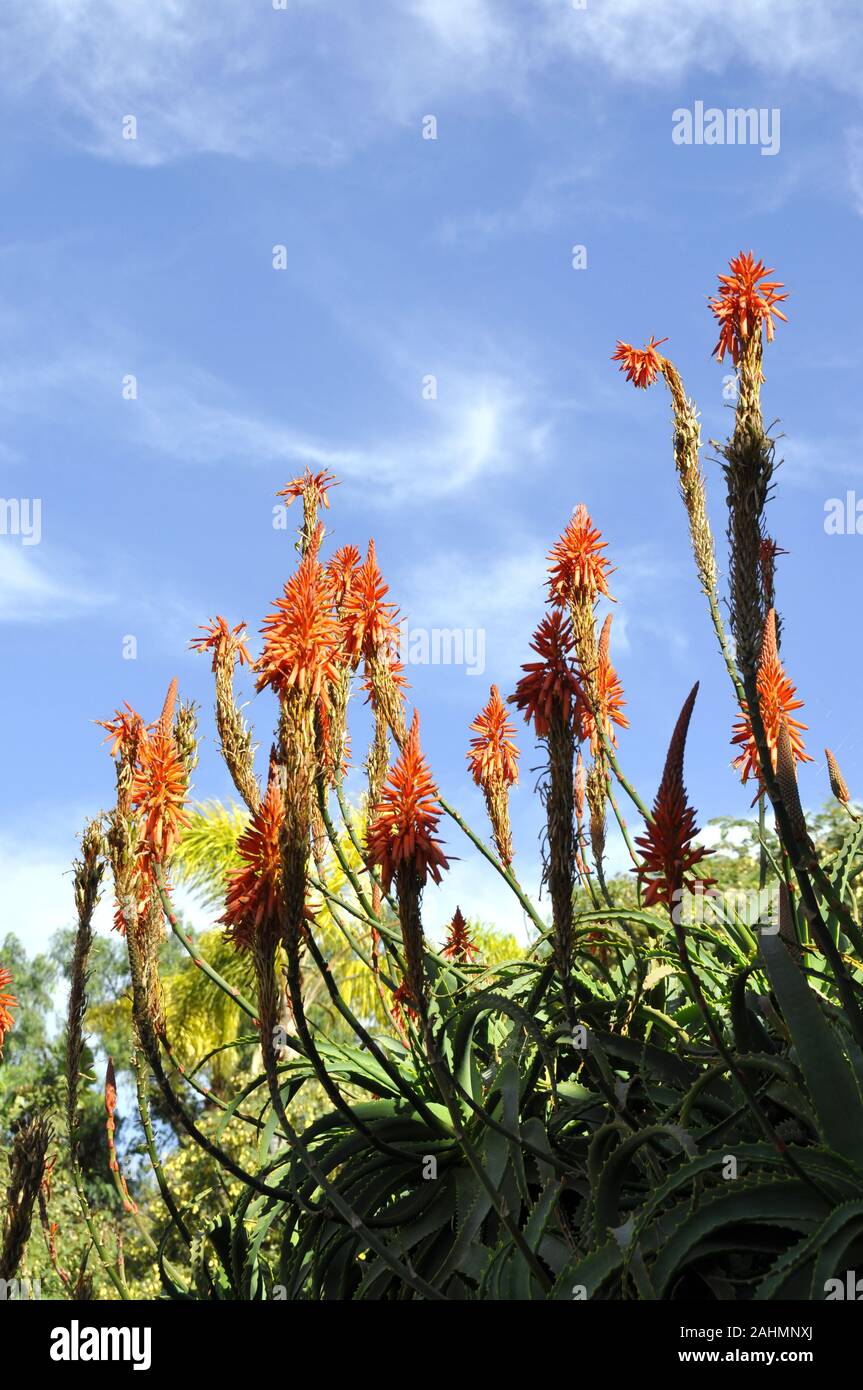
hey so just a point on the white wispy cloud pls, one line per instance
(34, 590)
(309, 83)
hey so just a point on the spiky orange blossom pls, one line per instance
(124, 731)
(459, 946)
(160, 786)
(301, 637)
(550, 683)
(253, 889)
(407, 816)
(668, 854)
(493, 761)
(576, 565)
(341, 570)
(493, 755)
(309, 485)
(746, 300)
(776, 701)
(641, 365)
(368, 620)
(225, 642)
(8, 1002)
(608, 696)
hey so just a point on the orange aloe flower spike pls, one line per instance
(225, 642)
(253, 889)
(493, 755)
(641, 365)
(777, 702)
(301, 637)
(576, 565)
(8, 1002)
(746, 299)
(406, 818)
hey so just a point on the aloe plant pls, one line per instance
(644, 1102)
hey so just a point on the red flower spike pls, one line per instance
(459, 946)
(550, 683)
(668, 853)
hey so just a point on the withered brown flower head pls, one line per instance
(746, 300)
(550, 683)
(576, 565)
(641, 365)
(669, 855)
(406, 818)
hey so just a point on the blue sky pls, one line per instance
(406, 257)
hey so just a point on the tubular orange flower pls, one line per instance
(493, 756)
(124, 730)
(668, 853)
(550, 682)
(315, 485)
(459, 945)
(608, 693)
(301, 637)
(776, 702)
(746, 300)
(226, 643)
(8, 1002)
(368, 622)
(576, 566)
(160, 785)
(641, 365)
(406, 818)
(341, 570)
(253, 890)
